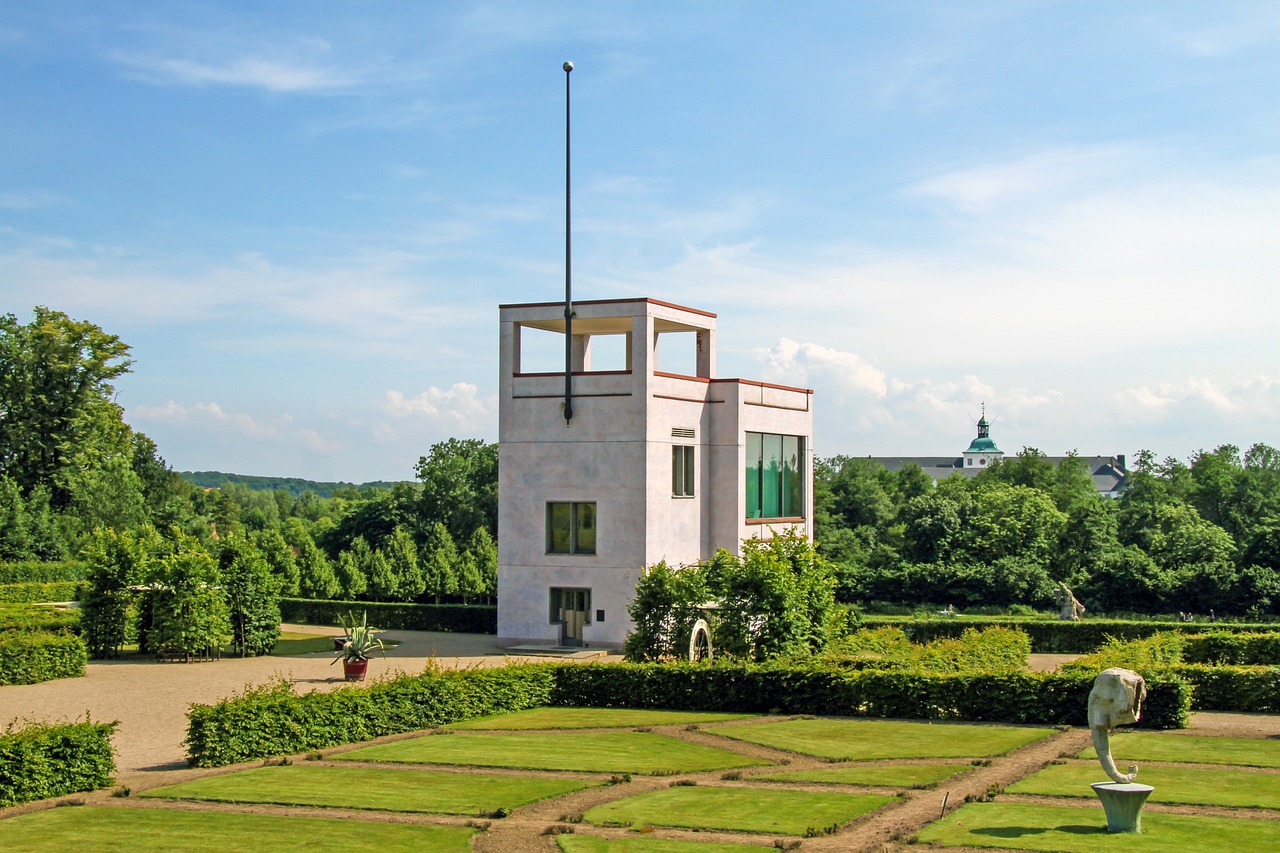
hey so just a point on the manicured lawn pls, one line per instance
(293, 643)
(1198, 785)
(372, 788)
(597, 752)
(88, 829)
(591, 844)
(593, 718)
(871, 739)
(1192, 749)
(883, 775)
(736, 809)
(1077, 829)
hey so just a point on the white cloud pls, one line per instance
(210, 416)
(457, 408)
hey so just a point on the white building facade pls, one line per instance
(651, 466)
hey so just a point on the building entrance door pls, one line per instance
(572, 607)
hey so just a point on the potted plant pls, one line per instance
(356, 650)
(345, 620)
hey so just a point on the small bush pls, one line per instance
(41, 761)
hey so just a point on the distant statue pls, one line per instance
(1116, 700)
(1069, 608)
(700, 642)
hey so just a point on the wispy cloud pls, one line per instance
(209, 416)
(28, 199)
(249, 72)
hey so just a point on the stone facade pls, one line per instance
(586, 504)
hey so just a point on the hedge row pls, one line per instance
(30, 571)
(1233, 688)
(28, 618)
(1220, 647)
(1024, 697)
(272, 720)
(29, 657)
(42, 761)
(1053, 636)
(453, 618)
(38, 591)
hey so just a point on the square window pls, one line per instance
(571, 527)
(775, 475)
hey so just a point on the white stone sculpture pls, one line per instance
(1116, 700)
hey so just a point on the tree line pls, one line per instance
(1195, 538)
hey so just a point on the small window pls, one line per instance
(682, 471)
(571, 528)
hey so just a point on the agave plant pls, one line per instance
(360, 639)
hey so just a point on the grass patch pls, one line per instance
(591, 844)
(736, 809)
(1194, 785)
(1192, 749)
(876, 739)
(88, 829)
(593, 718)
(595, 752)
(1075, 829)
(883, 775)
(372, 788)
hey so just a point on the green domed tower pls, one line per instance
(982, 450)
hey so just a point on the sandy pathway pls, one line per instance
(150, 698)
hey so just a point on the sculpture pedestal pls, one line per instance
(1122, 801)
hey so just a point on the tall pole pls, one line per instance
(568, 265)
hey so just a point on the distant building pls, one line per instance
(652, 465)
(1108, 473)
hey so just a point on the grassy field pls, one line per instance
(881, 775)
(736, 809)
(594, 718)
(373, 788)
(1192, 749)
(877, 739)
(591, 844)
(598, 752)
(1196, 785)
(89, 829)
(1079, 829)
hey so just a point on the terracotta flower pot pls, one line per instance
(354, 670)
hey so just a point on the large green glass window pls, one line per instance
(774, 475)
(571, 528)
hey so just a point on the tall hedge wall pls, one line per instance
(454, 618)
(1055, 637)
(30, 571)
(42, 761)
(39, 591)
(272, 720)
(29, 657)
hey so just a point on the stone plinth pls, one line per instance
(1122, 801)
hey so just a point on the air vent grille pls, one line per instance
(682, 432)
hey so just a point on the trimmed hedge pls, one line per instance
(1220, 647)
(1050, 636)
(1025, 697)
(1254, 689)
(30, 571)
(29, 657)
(452, 618)
(39, 591)
(42, 761)
(28, 618)
(272, 720)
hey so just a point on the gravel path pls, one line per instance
(150, 698)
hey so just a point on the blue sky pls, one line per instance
(303, 215)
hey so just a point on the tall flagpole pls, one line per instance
(568, 265)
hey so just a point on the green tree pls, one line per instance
(189, 614)
(402, 558)
(353, 567)
(460, 486)
(116, 563)
(253, 596)
(15, 527)
(280, 558)
(316, 578)
(663, 611)
(55, 399)
(440, 565)
(484, 551)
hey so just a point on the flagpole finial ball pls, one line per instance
(568, 66)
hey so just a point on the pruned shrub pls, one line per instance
(29, 657)
(39, 761)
